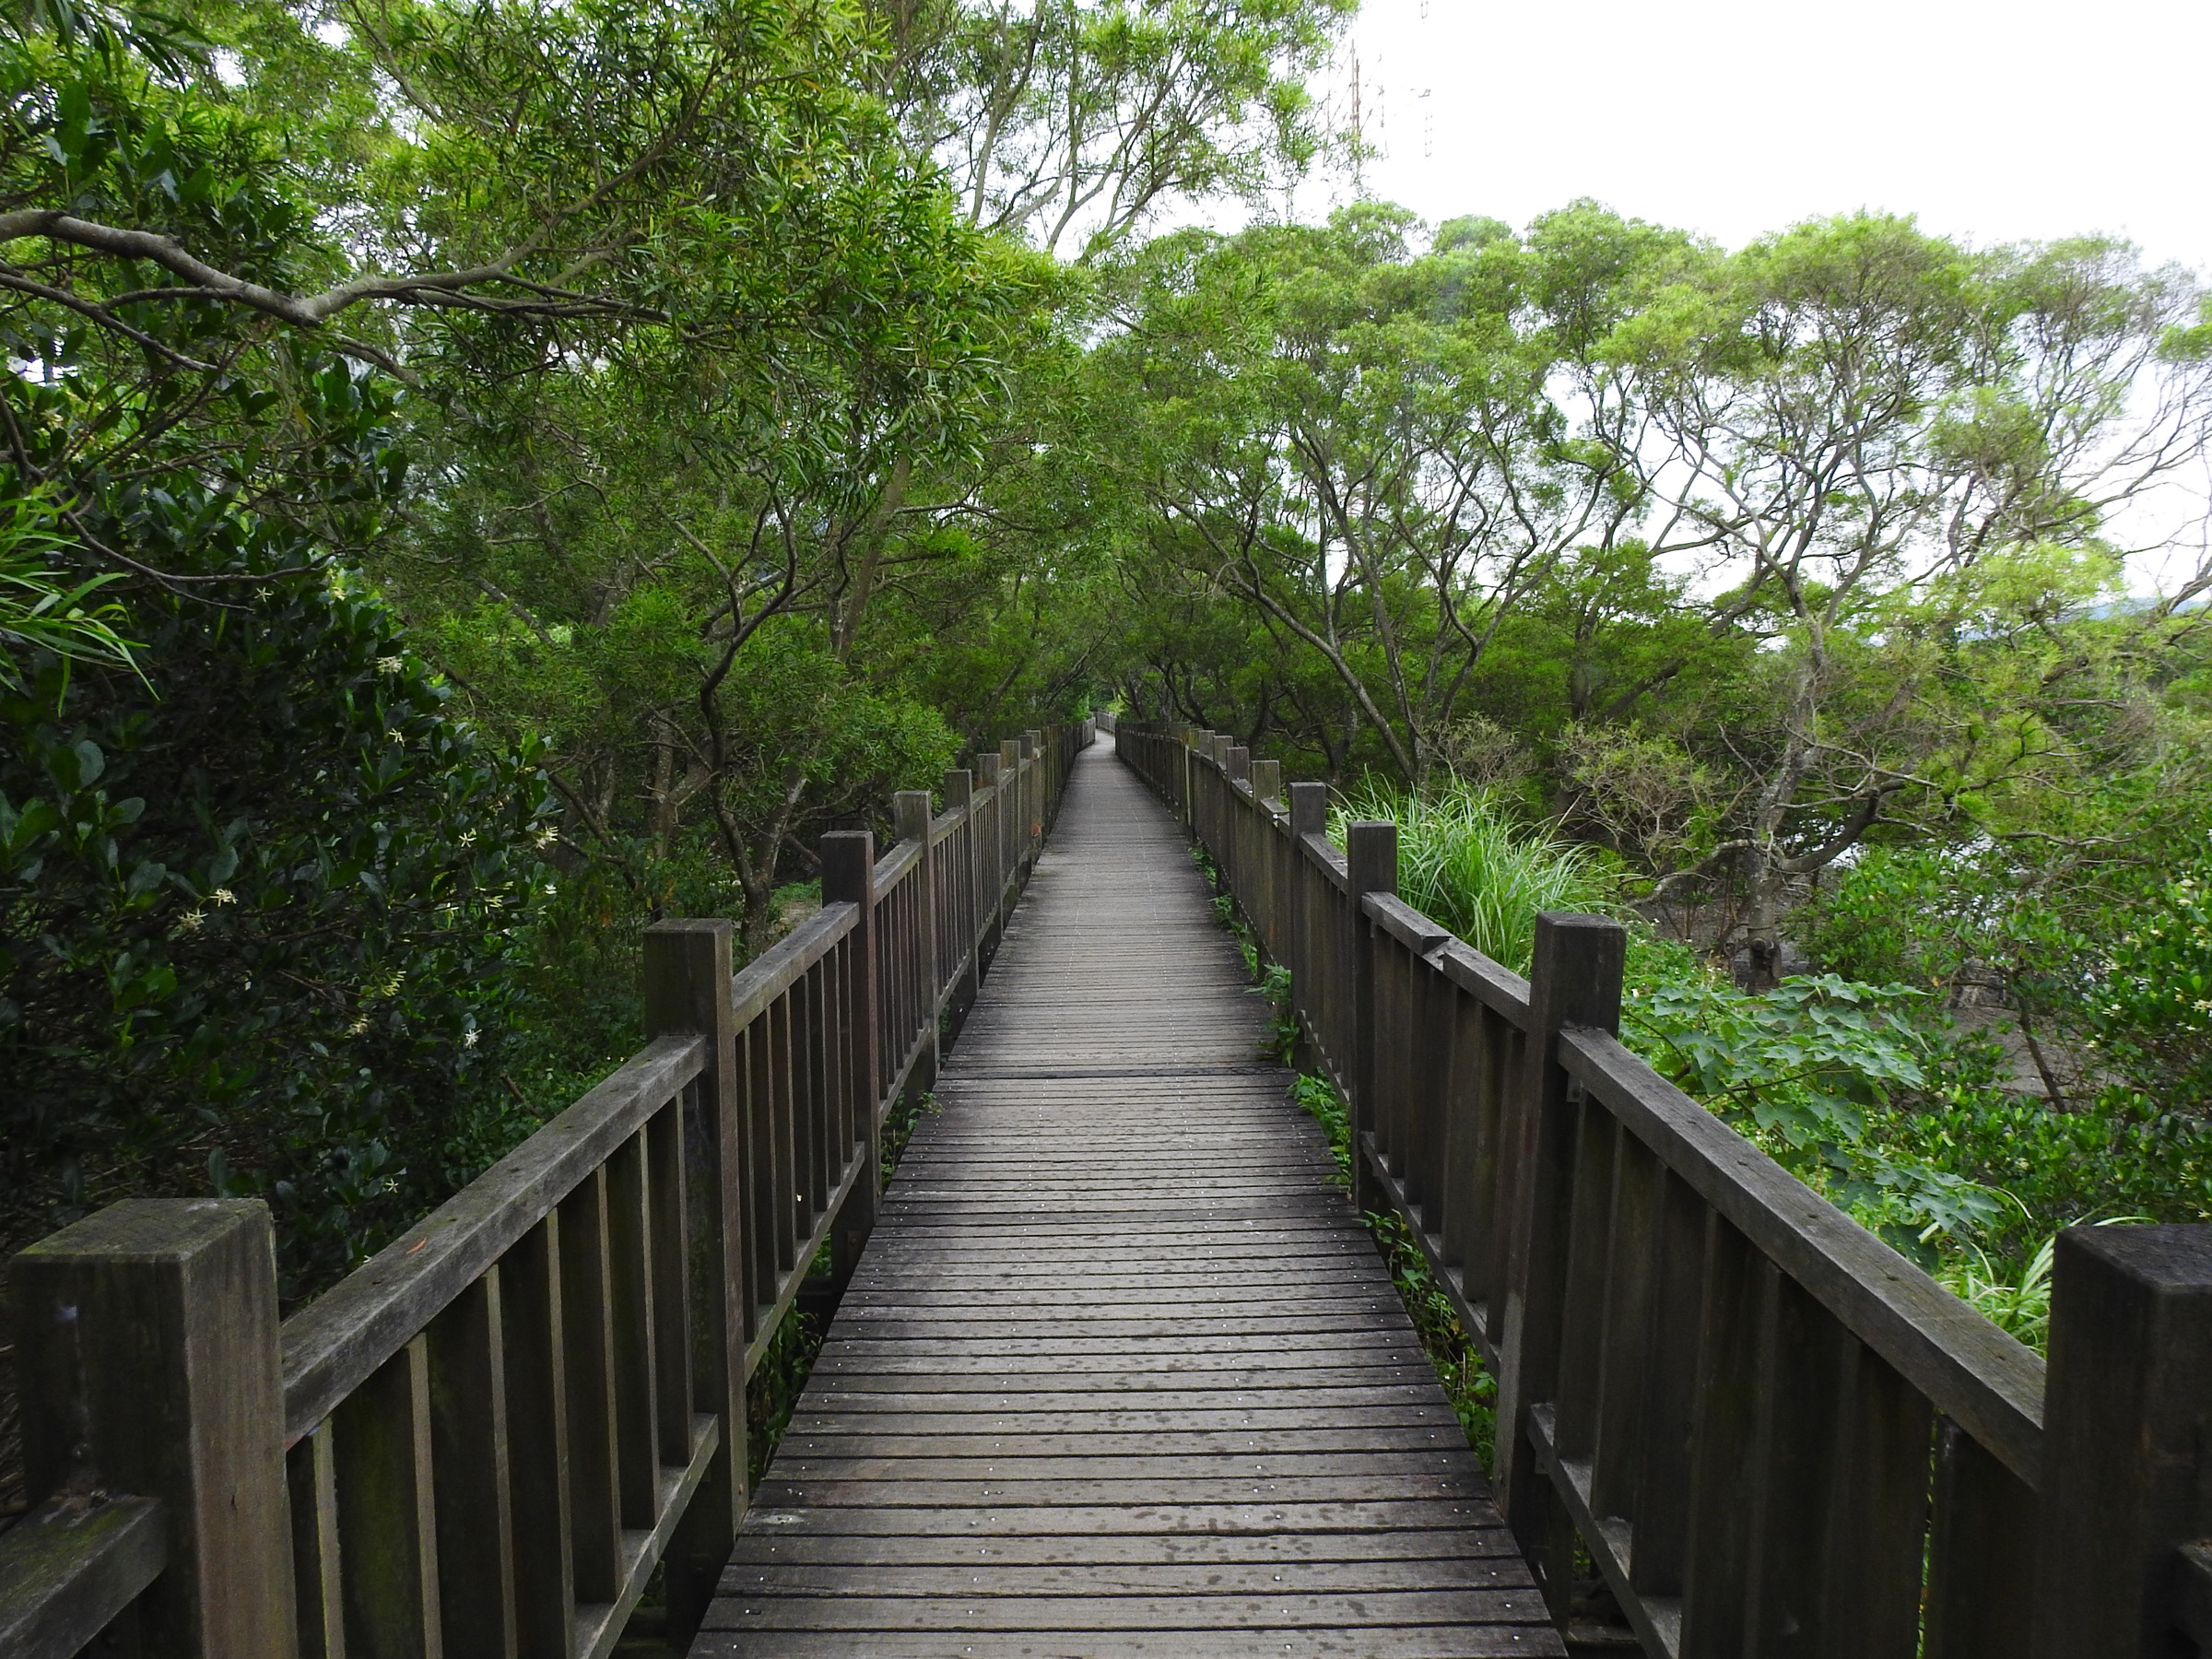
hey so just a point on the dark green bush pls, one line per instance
(261, 914)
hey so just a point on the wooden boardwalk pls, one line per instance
(1119, 1372)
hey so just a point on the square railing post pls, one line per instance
(2127, 1445)
(147, 1359)
(1371, 851)
(1574, 979)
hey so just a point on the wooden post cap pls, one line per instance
(1370, 855)
(848, 866)
(1309, 808)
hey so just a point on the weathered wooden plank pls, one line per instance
(1099, 1550)
(1289, 1609)
(1119, 1368)
(69, 1566)
(1426, 1641)
(971, 1576)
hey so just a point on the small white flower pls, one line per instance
(545, 838)
(390, 665)
(395, 735)
(190, 919)
(468, 1038)
(468, 838)
(261, 594)
(223, 896)
(549, 890)
(357, 1027)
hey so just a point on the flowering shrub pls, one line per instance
(259, 916)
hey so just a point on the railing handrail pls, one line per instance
(339, 1340)
(667, 1217)
(1966, 1365)
(1614, 1249)
(778, 968)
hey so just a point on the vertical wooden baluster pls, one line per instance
(1407, 1061)
(790, 1143)
(764, 1215)
(960, 796)
(1309, 815)
(1623, 1404)
(669, 1178)
(848, 861)
(1372, 852)
(1675, 1322)
(1463, 1193)
(830, 1105)
(387, 1514)
(1429, 1089)
(808, 1131)
(310, 1470)
(470, 1452)
(1496, 1165)
(630, 1299)
(587, 1325)
(1794, 1467)
(913, 818)
(1982, 1544)
(1587, 1225)
(1014, 831)
(703, 1153)
(986, 862)
(537, 1438)
(1877, 1525)
(1717, 1549)
(1574, 980)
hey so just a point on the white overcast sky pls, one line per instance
(1993, 121)
(1989, 122)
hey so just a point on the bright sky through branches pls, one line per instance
(1993, 120)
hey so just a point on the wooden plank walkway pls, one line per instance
(1119, 1372)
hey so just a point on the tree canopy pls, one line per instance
(482, 477)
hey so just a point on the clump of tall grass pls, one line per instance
(1463, 861)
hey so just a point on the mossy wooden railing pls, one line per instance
(1769, 1431)
(487, 1439)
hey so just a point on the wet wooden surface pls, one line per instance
(1120, 1372)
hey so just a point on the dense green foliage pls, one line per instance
(484, 477)
(481, 477)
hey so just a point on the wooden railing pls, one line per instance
(487, 1439)
(1770, 1433)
